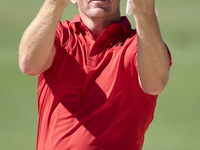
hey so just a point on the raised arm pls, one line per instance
(152, 57)
(37, 49)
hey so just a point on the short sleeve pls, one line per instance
(61, 35)
(169, 56)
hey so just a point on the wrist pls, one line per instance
(54, 6)
(146, 16)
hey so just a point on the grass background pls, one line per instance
(176, 125)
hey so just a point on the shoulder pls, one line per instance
(61, 27)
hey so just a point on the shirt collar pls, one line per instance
(123, 23)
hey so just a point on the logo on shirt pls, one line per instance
(119, 44)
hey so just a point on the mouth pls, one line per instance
(98, 0)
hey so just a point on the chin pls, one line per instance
(99, 12)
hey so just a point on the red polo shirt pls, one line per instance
(90, 98)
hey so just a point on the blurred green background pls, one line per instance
(176, 125)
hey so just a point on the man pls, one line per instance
(98, 79)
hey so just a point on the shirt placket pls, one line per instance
(96, 50)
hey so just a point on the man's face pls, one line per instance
(99, 8)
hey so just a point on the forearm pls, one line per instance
(152, 57)
(37, 44)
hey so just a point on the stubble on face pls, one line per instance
(99, 8)
(98, 15)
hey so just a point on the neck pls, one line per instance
(98, 25)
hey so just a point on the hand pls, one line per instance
(142, 7)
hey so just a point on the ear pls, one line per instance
(74, 2)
